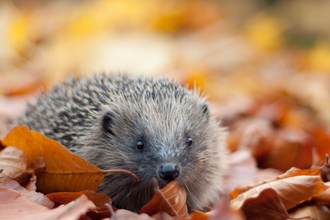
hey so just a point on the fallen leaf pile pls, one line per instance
(31, 158)
(278, 129)
(65, 178)
(277, 134)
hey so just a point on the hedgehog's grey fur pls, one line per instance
(101, 118)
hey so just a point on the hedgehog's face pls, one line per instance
(175, 142)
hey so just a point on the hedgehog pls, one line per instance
(152, 127)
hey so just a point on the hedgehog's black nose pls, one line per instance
(168, 171)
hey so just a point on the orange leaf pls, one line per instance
(324, 197)
(290, 173)
(170, 199)
(310, 212)
(292, 191)
(266, 205)
(291, 147)
(197, 215)
(66, 197)
(64, 171)
(322, 139)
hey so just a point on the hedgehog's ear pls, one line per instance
(205, 111)
(107, 121)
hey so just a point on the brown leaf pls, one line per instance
(99, 200)
(294, 171)
(265, 205)
(324, 197)
(292, 191)
(290, 173)
(254, 134)
(36, 197)
(170, 199)
(291, 147)
(15, 165)
(64, 171)
(14, 205)
(311, 212)
(322, 139)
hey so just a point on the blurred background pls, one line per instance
(234, 50)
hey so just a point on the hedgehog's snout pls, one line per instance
(168, 171)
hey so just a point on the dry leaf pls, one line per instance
(324, 197)
(61, 198)
(15, 206)
(322, 139)
(266, 205)
(15, 165)
(170, 199)
(311, 212)
(292, 147)
(64, 171)
(254, 134)
(292, 190)
(36, 197)
(101, 211)
(290, 173)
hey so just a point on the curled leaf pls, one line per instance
(14, 164)
(265, 205)
(290, 173)
(292, 191)
(170, 199)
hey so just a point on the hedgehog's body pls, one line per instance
(151, 127)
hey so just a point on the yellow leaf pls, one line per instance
(265, 31)
(319, 57)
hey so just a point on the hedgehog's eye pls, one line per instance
(139, 145)
(189, 141)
